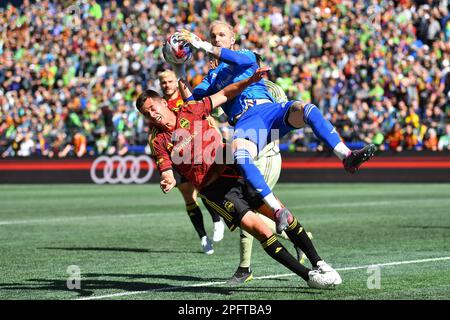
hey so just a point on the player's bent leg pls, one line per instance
(268, 216)
(319, 278)
(254, 225)
(300, 237)
(282, 217)
(244, 152)
(299, 114)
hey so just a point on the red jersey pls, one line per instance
(191, 148)
(175, 104)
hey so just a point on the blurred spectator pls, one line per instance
(444, 141)
(121, 146)
(394, 138)
(410, 139)
(430, 141)
(79, 145)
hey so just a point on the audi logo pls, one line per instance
(126, 170)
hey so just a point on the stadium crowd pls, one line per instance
(70, 72)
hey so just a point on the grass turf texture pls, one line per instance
(128, 239)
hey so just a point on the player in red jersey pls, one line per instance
(192, 146)
(169, 86)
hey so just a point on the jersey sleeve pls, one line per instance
(159, 152)
(200, 109)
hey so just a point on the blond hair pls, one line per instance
(166, 73)
(220, 22)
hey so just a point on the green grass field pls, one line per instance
(133, 242)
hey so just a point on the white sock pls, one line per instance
(272, 202)
(342, 151)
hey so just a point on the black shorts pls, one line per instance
(231, 197)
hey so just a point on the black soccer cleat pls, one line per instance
(281, 219)
(242, 275)
(358, 157)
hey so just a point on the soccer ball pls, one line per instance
(176, 51)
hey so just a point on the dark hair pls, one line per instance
(144, 96)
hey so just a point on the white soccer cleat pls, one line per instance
(219, 229)
(207, 245)
(324, 267)
(319, 280)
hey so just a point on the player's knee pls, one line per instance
(255, 226)
(295, 115)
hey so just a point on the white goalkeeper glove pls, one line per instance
(194, 40)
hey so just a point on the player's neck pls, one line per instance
(173, 96)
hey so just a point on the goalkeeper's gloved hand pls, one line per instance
(194, 40)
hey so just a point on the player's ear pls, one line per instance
(233, 40)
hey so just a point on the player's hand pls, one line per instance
(194, 40)
(167, 185)
(168, 181)
(180, 70)
(259, 74)
(213, 63)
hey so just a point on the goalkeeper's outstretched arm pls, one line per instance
(223, 54)
(233, 90)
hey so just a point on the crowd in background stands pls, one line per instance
(71, 71)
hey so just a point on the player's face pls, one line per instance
(221, 36)
(168, 85)
(155, 110)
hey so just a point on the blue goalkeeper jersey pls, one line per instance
(235, 66)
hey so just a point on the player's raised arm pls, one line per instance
(183, 85)
(223, 54)
(233, 90)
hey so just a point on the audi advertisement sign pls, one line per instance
(125, 170)
(128, 169)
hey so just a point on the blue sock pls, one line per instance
(250, 172)
(321, 127)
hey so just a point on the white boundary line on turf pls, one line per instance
(209, 284)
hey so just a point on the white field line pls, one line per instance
(209, 284)
(324, 205)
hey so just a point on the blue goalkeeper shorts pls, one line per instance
(264, 123)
